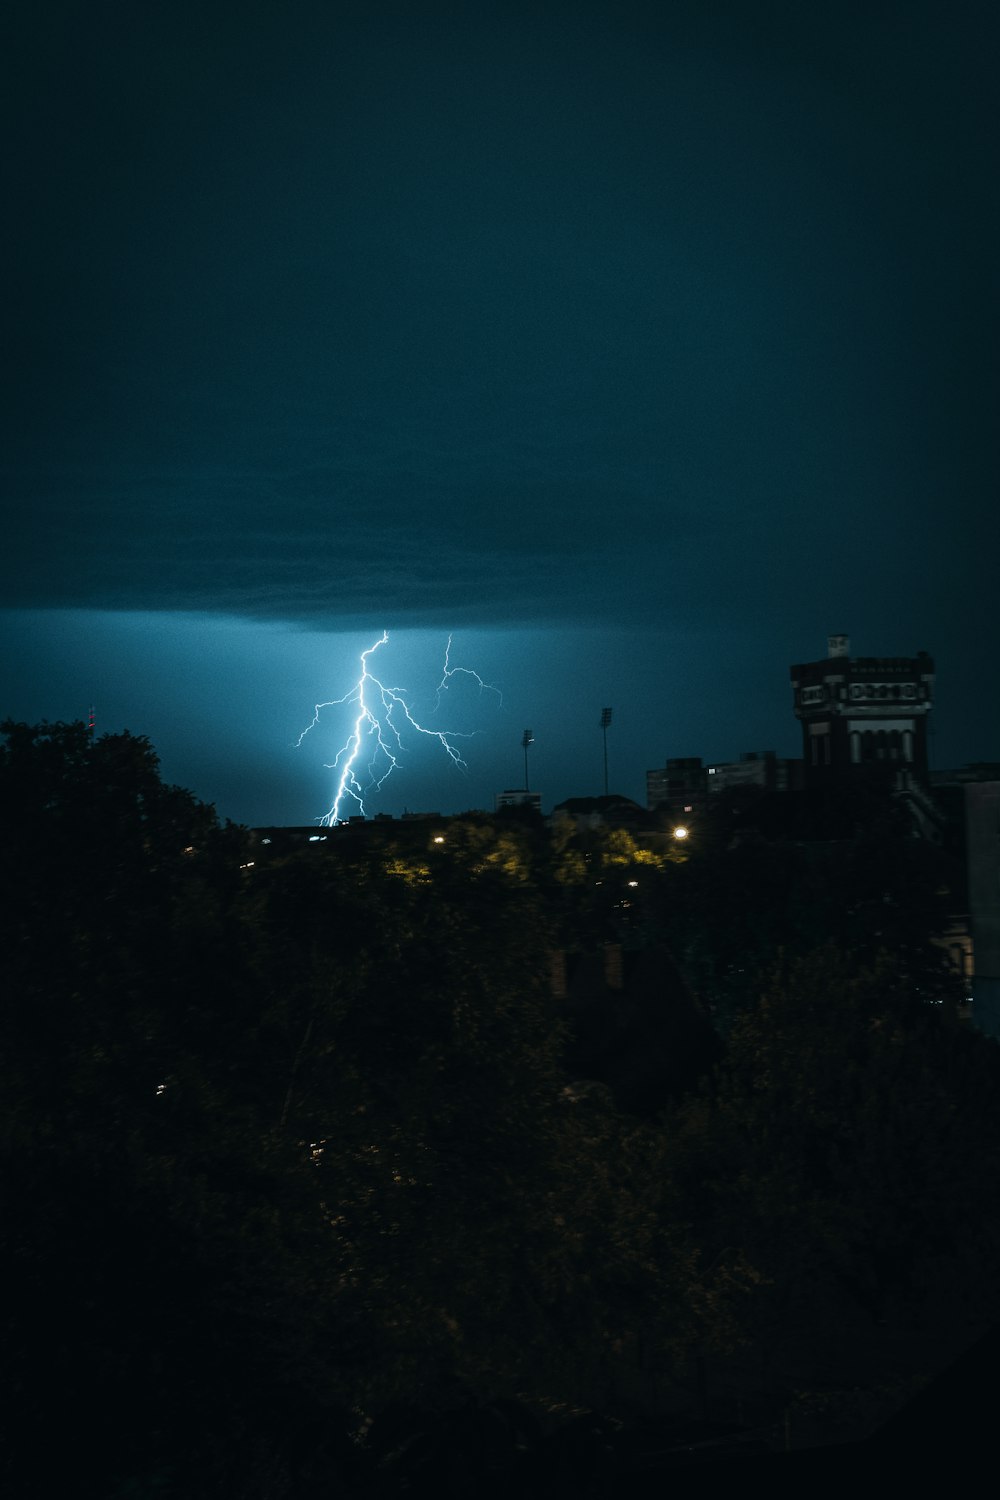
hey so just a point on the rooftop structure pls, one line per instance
(863, 711)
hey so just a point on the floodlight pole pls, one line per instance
(605, 721)
(527, 739)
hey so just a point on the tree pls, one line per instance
(835, 1151)
(158, 1242)
(745, 897)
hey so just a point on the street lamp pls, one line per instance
(527, 739)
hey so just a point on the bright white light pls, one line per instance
(373, 747)
(680, 832)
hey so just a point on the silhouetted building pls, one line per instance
(603, 812)
(971, 799)
(517, 798)
(978, 770)
(863, 711)
(982, 842)
(759, 770)
(681, 785)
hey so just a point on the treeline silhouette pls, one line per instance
(316, 1182)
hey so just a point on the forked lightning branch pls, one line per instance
(376, 743)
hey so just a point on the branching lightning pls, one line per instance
(374, 747)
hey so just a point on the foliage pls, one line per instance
(290, 1141)
(157, 1241)
(282, 1138)
(743, 898)
(833, 1146)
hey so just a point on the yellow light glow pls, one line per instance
(680, 832)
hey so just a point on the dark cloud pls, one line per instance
(669, 318)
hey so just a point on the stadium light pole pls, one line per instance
(605, 721)
(527, 739)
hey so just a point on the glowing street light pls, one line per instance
(680, 832)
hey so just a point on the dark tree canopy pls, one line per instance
(293, 1143)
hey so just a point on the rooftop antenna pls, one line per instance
(605, 721)
(527, 739)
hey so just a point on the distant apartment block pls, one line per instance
(687, 785)
(681, 785)
(517, 798)
(761, 770)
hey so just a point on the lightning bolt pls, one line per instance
(374, 745)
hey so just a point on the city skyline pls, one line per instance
(567, 749)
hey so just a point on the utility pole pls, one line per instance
(527, 739)
(605, 721)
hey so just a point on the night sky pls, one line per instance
(634, 347)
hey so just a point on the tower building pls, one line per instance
(863, 711)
